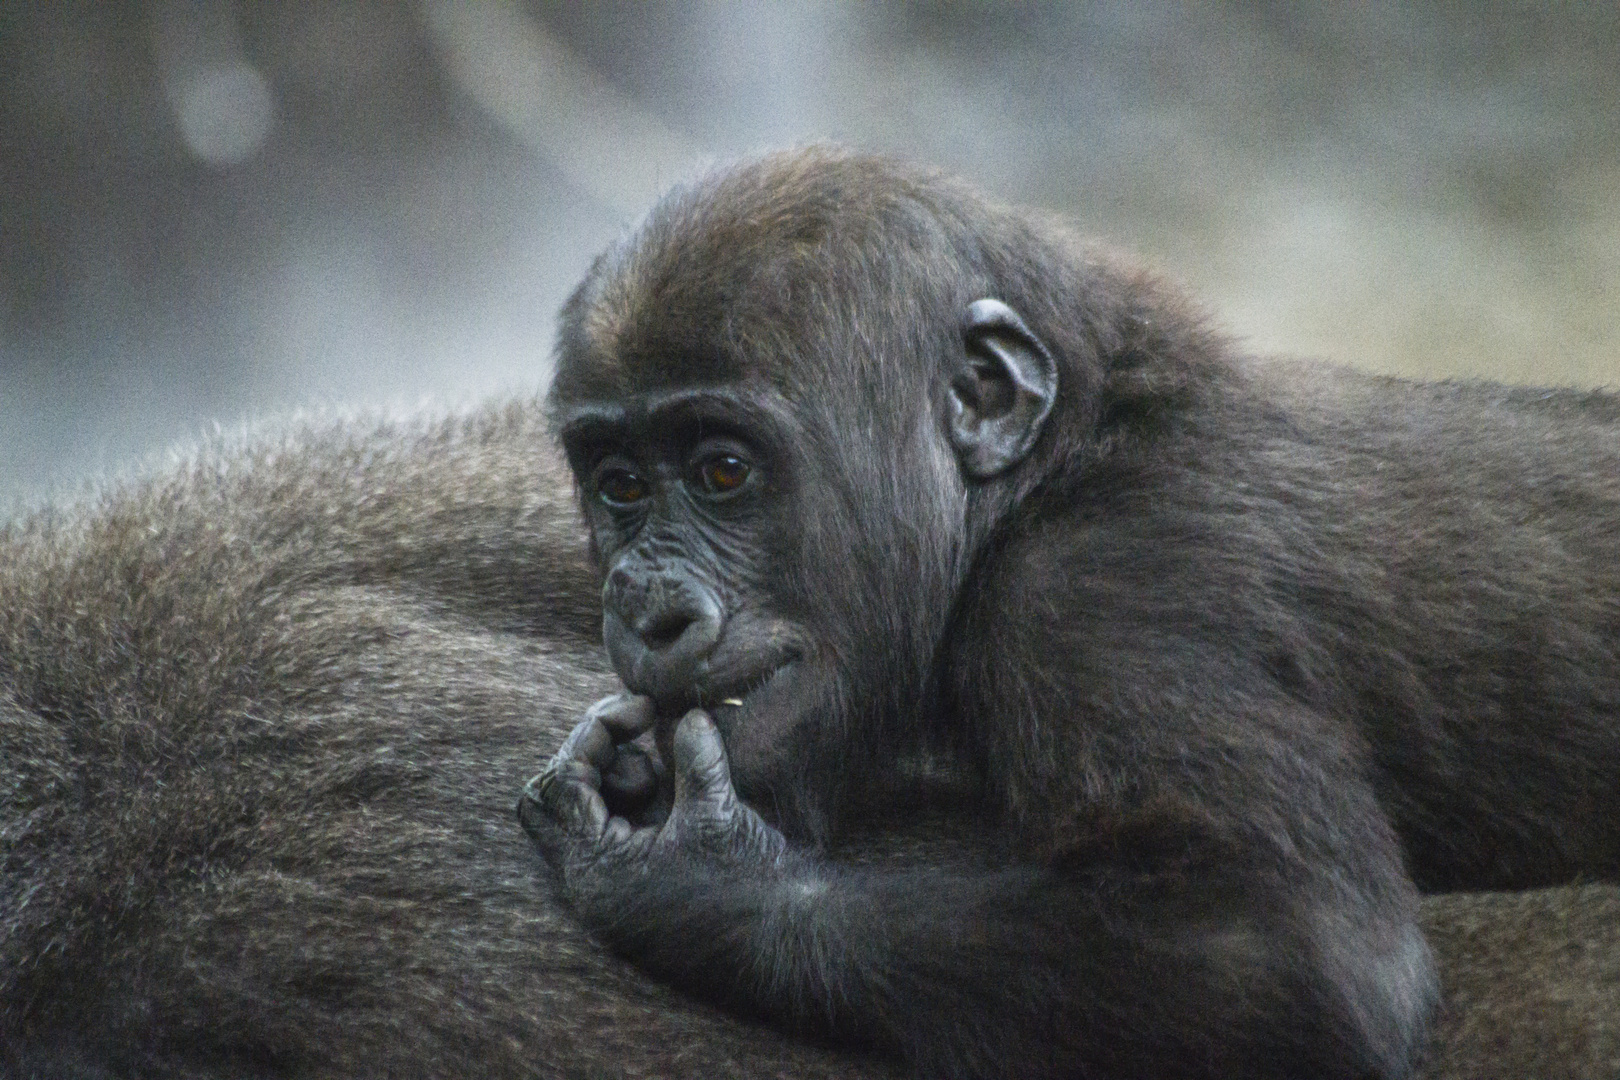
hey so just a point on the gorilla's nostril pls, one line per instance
(664, 629)
(659, 633)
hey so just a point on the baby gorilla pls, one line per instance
(1236, 655)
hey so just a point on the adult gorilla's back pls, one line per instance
(262, 722)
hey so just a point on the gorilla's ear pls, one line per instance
(1001, 393)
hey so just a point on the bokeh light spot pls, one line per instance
(225, 112)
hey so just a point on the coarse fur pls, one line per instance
(263, 717)
(1239, 652)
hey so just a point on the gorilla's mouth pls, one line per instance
(730, 692)
(736, 696)
(729, 705)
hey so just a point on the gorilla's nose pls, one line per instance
(658, 632)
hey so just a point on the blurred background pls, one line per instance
(215, 211)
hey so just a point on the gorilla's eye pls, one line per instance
(620, 487)
(722, 474)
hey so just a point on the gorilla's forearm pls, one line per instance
(1167, 949)
(883, 956)
(992, 975)
(1014, 973)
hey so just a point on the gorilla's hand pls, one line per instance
(597, 814)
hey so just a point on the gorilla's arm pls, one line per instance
(1151, 953)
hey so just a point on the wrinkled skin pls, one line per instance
(599, 761)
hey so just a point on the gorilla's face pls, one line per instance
(693, 498)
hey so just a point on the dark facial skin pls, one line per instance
(1235, 654)
(684, 492)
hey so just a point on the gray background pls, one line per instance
(214, 212)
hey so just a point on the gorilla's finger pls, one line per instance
(590, 742)
(536, 820)
(632, 781)
(625, 715)
(701, 769)
(565, 794)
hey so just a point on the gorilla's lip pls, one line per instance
(736, 695)
(727, 704)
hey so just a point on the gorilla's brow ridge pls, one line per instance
(725, 406)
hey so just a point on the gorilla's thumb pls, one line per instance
(701, 770)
